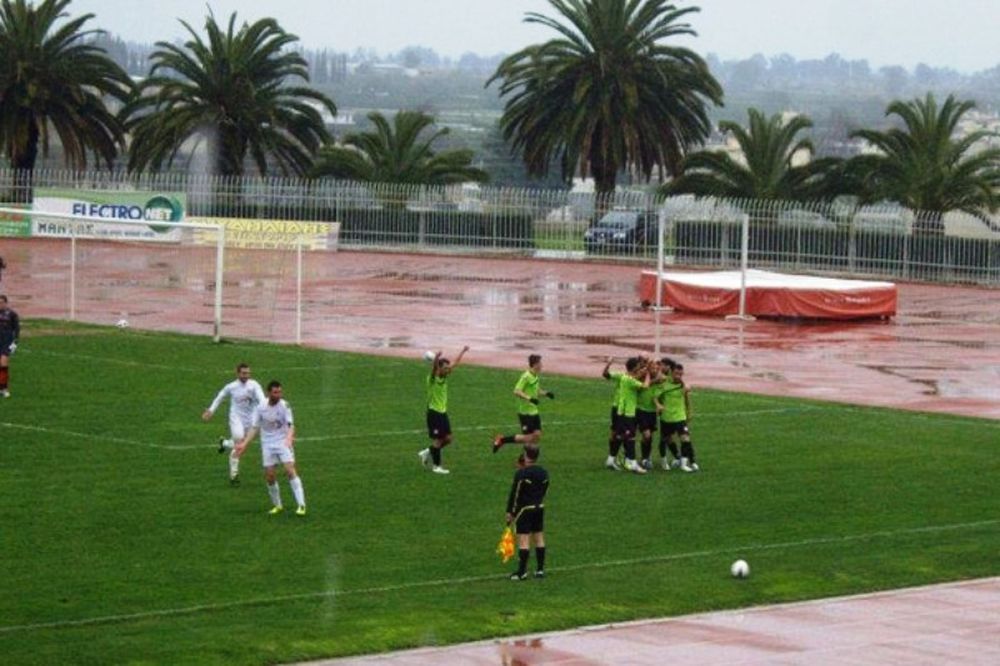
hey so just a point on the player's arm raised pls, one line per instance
(606, 372)
(458, 359)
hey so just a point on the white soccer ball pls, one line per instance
(429, 356)
(740, 569)
(122, 323)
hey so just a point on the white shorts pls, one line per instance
(238, 427)
(273, 457)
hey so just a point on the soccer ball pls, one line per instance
(122, 323)
(740, 569)
(429, 356)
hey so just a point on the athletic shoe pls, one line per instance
(612, 464)
(234, 480)
(675, 464)
(5, 393)
(694, 467)
(646, 464)
(300, 511)
(684, 465)
(437, 469)
(275, 510)
(425, 457)
(633, 466)
(497, 443)
(222, 445)
(666, 465)
(519, 576)
(539, 574)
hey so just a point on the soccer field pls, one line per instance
(122, 540)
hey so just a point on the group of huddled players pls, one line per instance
(649, 393)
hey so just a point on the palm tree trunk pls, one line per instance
(929, 223)
(604, 172)
(24, 162)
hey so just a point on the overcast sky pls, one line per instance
(962, 34)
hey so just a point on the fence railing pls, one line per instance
(883, 240)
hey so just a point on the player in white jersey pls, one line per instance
(245, 395)
(277, 444)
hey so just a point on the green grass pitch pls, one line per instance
(121, 540)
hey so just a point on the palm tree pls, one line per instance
(770, 148)
(52, 79)
(925, 168)
(608, 94)
(231, 93)
(397, 153)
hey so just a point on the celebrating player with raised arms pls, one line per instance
(245, 395)
(438, 424)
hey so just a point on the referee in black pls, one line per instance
(526, 510)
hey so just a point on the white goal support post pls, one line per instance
(152, 236)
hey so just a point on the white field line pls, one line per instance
(451, 582)
(101, 438)
(342, 436)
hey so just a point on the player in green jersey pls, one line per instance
(645, 413)
(527, 391)
(673, 401)
(636, 377)
(614, 444)
(438, 425)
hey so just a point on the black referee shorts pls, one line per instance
(530, 520)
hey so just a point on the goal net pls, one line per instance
(142, 269)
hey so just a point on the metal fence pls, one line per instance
(832, 238)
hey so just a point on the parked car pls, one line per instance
(621, 231)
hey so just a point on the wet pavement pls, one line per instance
(940, 354)
(956, 623)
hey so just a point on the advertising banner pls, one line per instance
(12, 224)
(270, 234)
(160, 209)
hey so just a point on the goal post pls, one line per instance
(119, 237)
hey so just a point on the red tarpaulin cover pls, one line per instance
(771, 295)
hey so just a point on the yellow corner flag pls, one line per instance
(505, 549)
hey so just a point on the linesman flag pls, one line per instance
(505, 549)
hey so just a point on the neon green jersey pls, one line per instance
(671, 396)
(628, 395)
(616, 382)
(527, 384)
(437, 394)
(644, 400)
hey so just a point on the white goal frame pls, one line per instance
(220, 251)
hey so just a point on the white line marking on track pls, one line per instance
(449, 582)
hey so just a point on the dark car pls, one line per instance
(621, 231)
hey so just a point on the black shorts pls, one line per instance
(438, 425)
(614, 418)
(5, 343)
(530, 423)
(668, 429)
(626, 427)
(645, 420)
(530, 520)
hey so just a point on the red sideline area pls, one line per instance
(771, 295)
(954, 623)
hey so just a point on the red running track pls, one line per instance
(940, 354)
